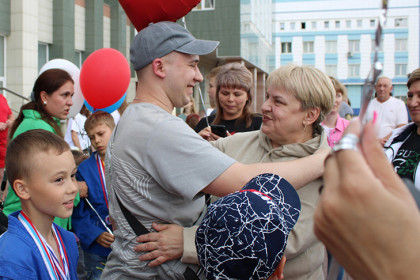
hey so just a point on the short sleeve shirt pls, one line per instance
(158, 166)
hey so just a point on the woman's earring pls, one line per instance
(45, 103)
(304, 127)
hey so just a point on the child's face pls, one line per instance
(99, 137)
(52, 185)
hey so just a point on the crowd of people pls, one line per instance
(160, 196)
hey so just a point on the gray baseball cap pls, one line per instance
(159, 39)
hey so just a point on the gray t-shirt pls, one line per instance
(345, 109)
(158, 166)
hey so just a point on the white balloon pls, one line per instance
(74, 71)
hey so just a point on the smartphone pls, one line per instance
(219, 130)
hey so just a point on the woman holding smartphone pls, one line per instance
(233, 101)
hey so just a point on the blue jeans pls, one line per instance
(94, 265)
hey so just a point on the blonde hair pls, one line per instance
(309, 85)
(97, 118)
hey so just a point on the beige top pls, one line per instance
(304, 252)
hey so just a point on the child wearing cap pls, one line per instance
(243, 235)
(91, 220)
(41, 170)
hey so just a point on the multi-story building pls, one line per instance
(35, 31)
(243, 28)
(337, 36)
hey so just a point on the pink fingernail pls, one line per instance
(375, 117)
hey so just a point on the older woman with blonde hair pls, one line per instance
(298, 99)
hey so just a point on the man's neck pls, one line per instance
(383, 100)
(154, 96)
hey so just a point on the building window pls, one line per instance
(292, 25)
(326, 24)
(303, 25)
(205, 5)
(331, 70)
(354, 46)
(354, 70)
(400, 22)
(282, 26)
(2, 62)
(43, 55)
(308, 47)
(337, 24)
(359, 23)
(330, 46)
(313, 25)
(400, 69)
(348, 23)
(400, 45)
(286, 47)
(380, 46)
(372, 23)
(78, 58)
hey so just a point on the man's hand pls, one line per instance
(105, 239)
(164, 245)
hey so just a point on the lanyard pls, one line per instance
(52, 263)
(101, 170)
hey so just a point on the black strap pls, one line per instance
(137, 227)
(189, 274)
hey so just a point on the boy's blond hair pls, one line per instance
(98, 118)
(22, 149)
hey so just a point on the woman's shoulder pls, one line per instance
(32, 123)
(203, 123)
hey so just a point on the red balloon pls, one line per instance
(143, 12)
(104, 78)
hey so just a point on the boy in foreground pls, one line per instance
(91, 220)
(41, 169)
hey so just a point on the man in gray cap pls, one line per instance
(158, 167)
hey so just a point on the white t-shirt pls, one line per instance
(391, 113)
(78, 125)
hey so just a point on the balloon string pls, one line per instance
(185, 24)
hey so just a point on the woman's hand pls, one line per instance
(366, 216)
(164, 245)
(210, 136)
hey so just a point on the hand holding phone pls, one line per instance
(219, 130)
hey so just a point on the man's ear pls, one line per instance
(312, 115)
(21, 189)
(158, 67)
